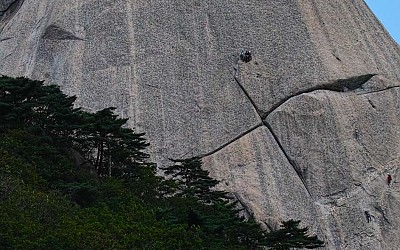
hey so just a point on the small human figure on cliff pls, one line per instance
(241, 54)
(245, 55)
(368, 216)
(389, 179)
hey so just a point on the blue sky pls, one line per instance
(388, 12)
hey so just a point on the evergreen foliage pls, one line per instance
(207, 208)
(70, 179)
(291, 236)
(194, 182)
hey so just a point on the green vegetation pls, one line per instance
(76, 180)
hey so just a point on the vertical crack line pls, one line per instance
(291, 162)
(230, 141)
(260, 114)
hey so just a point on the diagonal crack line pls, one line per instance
(253, 103)
(242, 203)
(8, 7)
(291, 162)
(380, 210)
(231, 141)
(379, 90)
(7, 56)
(5, 39)
(341, 85)
(223, 145)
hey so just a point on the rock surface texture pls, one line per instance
(308, 129)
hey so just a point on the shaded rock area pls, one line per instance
(8, 8)
(53, 32)
(307, 129)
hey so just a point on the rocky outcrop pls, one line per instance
(307, 129)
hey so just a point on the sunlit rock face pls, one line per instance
(308, 129)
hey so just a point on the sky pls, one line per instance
(388, 12)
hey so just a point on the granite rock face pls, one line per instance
(308, 129)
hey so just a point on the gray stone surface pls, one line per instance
(256, 169)
(345, 145)
(306, 129)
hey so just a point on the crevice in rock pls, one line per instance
(231, 141)
(341, 85)
(8, 7)
(247, 210)
(54, 32)
(5, 39)
(380, 210)
(253, 103)
(151, 86)
(291, 162)
(339, 192)
(221, 146)
(7, 56)
(379, 90)
(372, 104)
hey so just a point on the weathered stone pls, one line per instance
(173, 69)
(256, 169)
(346, 144)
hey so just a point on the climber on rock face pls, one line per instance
(389, 179)
(245, 55)
(242, 51)
(368, 216)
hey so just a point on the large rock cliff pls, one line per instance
(308, 129)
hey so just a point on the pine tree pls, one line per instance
(25, 102)
(193, 181)
(291, 236)
(117, 151)
(210, 209)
